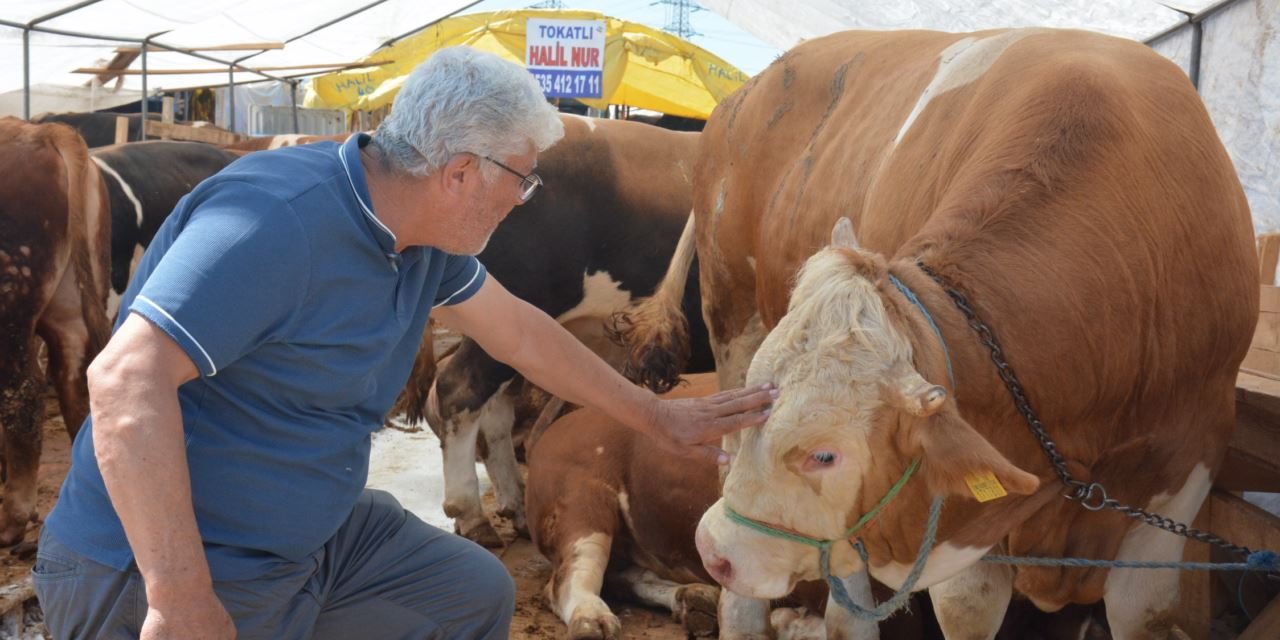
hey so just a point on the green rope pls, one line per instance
(818, 543)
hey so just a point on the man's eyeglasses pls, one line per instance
(528, 184)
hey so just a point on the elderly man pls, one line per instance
(217, 489)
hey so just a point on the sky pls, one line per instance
(719, 36)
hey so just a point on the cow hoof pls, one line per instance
(597, 626)
(697, 609)
(12, 531)
(482, 534)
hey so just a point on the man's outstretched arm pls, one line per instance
(529, 340)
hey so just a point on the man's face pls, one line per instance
(490, 203)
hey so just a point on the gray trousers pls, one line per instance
(385, 574)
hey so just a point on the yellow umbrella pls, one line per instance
(643, 67)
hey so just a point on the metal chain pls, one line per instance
(1084, 492)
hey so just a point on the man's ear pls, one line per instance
(958, 461)
(461, 168)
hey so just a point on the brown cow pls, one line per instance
(267, 143)
(609, 507)
(1071, 187)
(55, 238)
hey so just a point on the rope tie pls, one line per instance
(925, 312)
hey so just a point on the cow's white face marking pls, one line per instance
(601, 297)
(590, 122)
(124, 186)
(599, 451)
(960, 64)
(284, 140)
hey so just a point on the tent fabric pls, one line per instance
(643, 67)
(204, 23)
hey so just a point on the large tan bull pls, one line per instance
(1072, 188)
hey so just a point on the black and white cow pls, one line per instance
(98, 128)
(597, 236)
(144, 182)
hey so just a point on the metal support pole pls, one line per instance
(1197, 37)
(26, 73)
(231, 99)
(293, 100)
(142, 122)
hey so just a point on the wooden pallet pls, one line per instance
(1252, 464)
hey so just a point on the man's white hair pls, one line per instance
(462, 100)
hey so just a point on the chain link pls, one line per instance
(1092, 495)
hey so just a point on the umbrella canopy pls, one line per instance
(643, 67)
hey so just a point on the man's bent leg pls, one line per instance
(388, 574)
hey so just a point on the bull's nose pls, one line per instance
(720, 568)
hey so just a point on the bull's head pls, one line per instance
(853, 412)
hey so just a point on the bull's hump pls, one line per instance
(960, 64)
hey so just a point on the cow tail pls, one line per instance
(653, 330)
(89, 217)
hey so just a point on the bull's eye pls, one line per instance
(824, 458)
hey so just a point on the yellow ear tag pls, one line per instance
(985, 487)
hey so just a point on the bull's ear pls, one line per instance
(958, 461)
(842, 234)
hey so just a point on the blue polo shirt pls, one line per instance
(281, 285)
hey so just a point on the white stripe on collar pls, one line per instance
(356, 192)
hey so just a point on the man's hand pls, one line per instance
(692, 427)
(200, 618)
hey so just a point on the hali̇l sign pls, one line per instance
(566, 56)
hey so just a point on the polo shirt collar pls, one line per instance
(349, 154)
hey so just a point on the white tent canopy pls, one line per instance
(354, 29)
(1231, 46)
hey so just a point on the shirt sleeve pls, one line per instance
(233, 278)
(462, 278)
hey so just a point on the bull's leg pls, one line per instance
(20, 389)
(743, 618)
(798, 624)
(63, 328)
(694, 605)
(464, 388)
(840, 623)
(497, 417)
(971, 604)
(1141, 603)
(574, 589)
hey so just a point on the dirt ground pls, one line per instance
(530, 570)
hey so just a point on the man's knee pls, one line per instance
(493, 583)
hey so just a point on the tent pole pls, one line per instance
(231, 98)
(1197, 36)
(26, 73)
(293, 100)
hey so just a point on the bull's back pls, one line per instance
(1070, 177)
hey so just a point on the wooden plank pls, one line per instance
(1257, 431)
(1269, 298)
(1268, 255)
(246, 46)
(1234, 519)
(1267, 334)
(292, 67)
(122, 130)
(1262, 362)
(196, 134)
(1266, 625)
(1243, 471)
